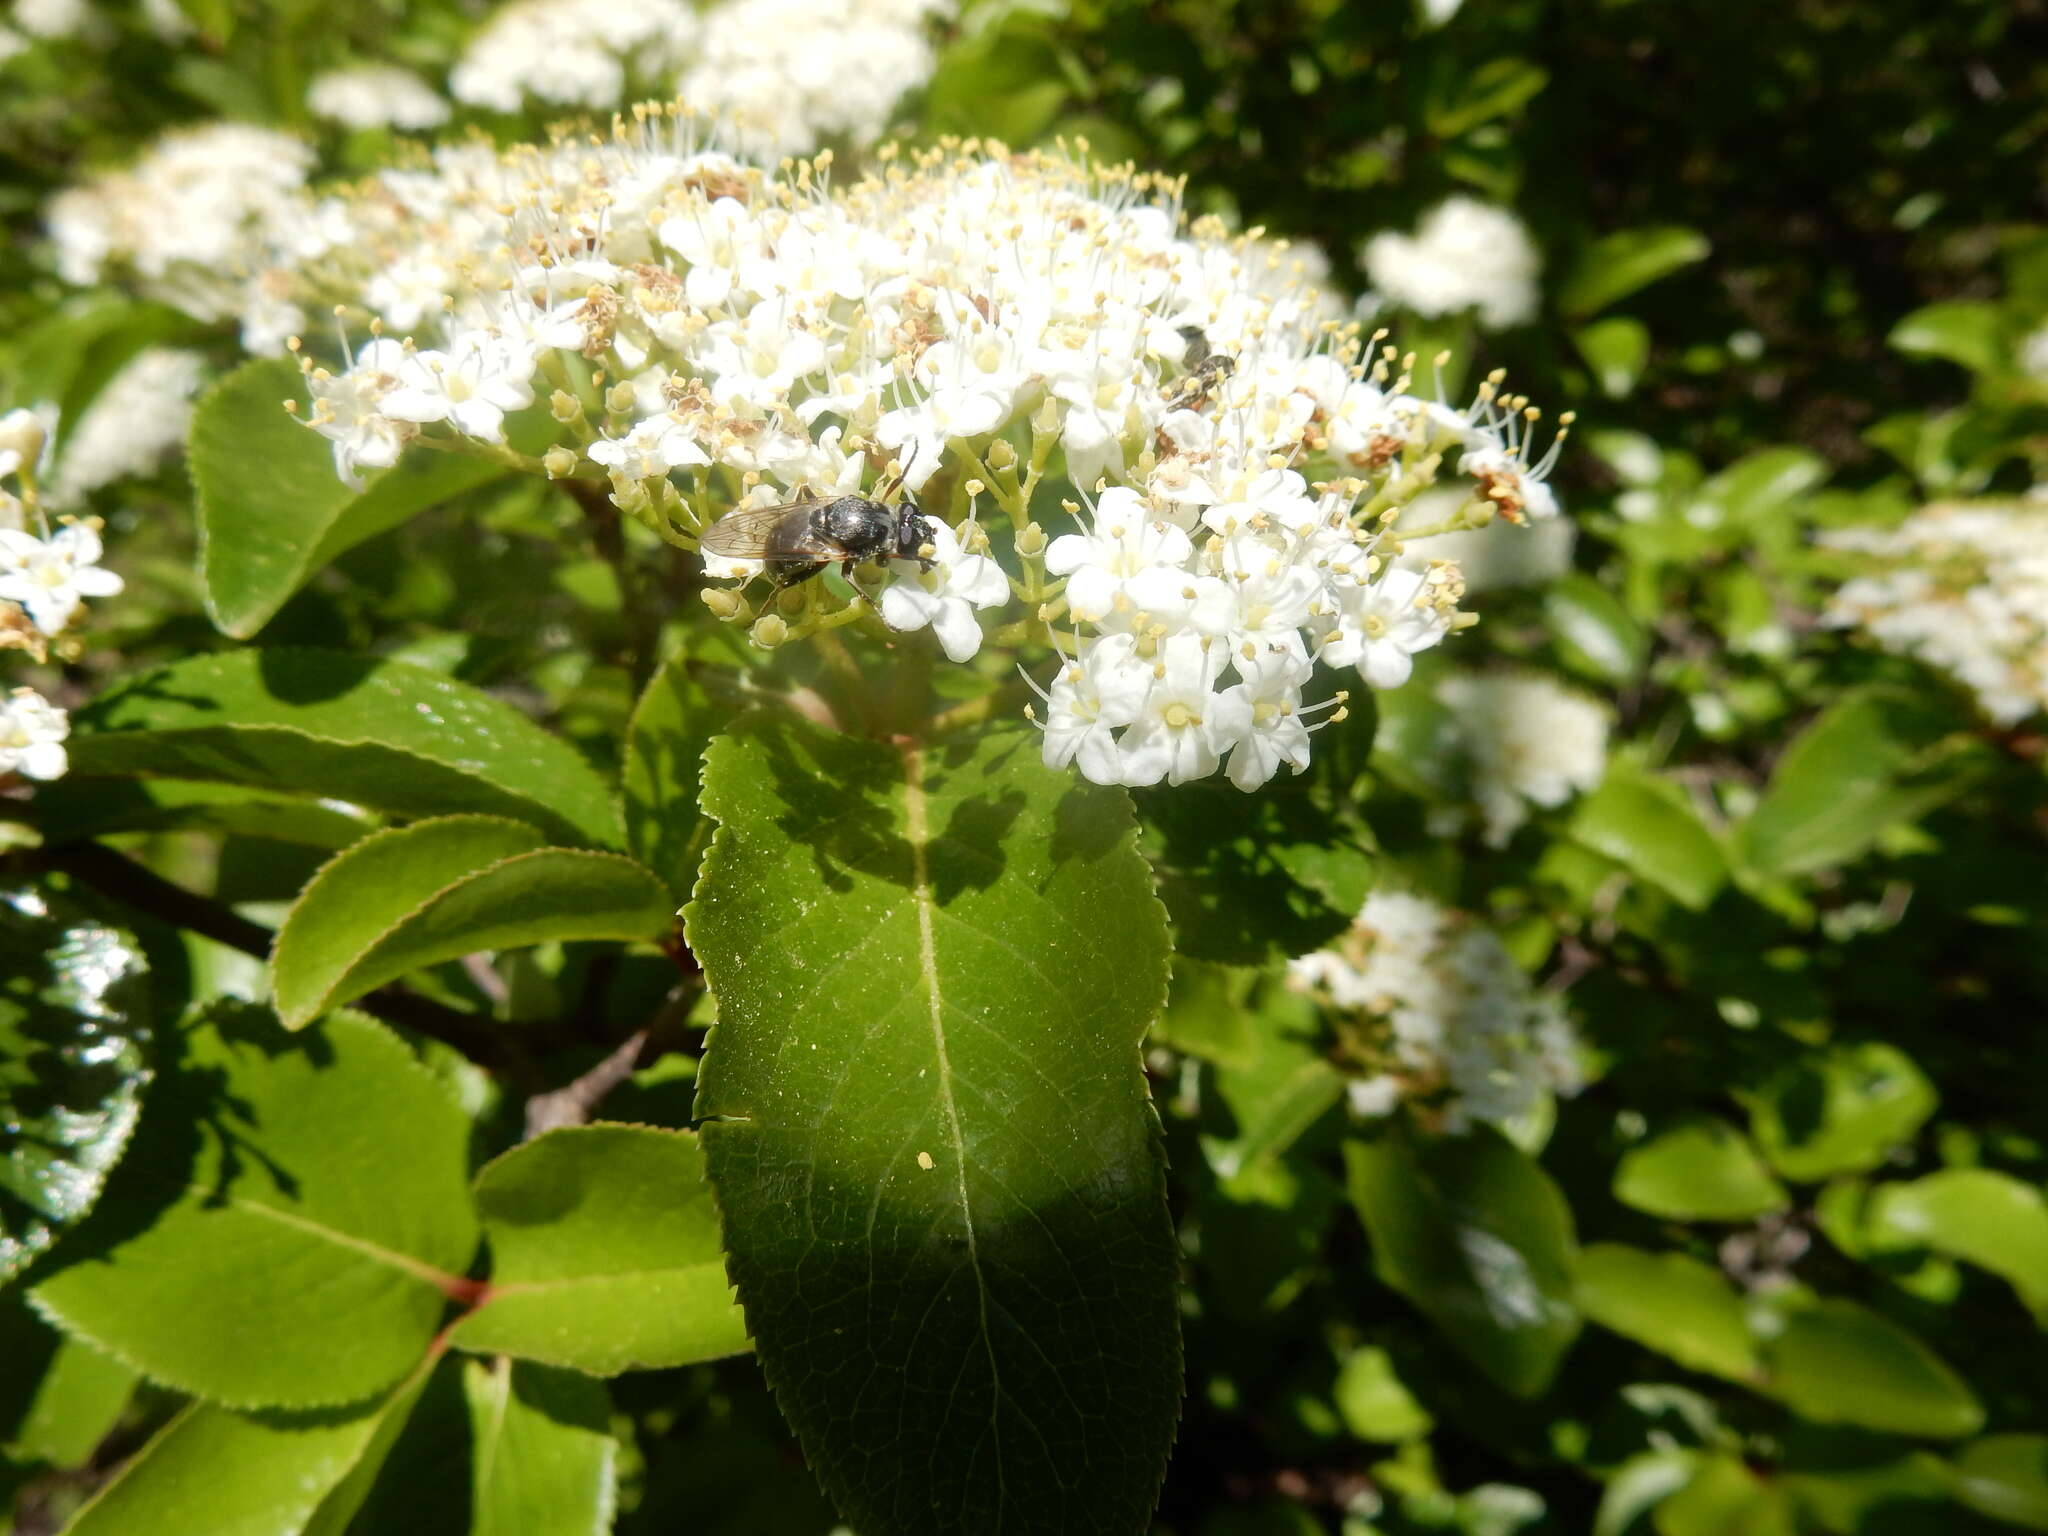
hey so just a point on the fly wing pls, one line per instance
(757, 533)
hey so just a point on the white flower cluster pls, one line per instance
(376, 96)
(1432, 1011)
(1015, 328)
(1964, 587)
(573, 53)
(135, 423)
(789, 74)
(45, 578)
(194, 219)
(1528, 740)
(1465, 254)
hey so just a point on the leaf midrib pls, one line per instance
(417, 1269)
(917, 831)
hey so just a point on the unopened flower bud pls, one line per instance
(620, 399)
(1031, 541)
(727, 605)
(769, 631)
(564, 406)
(21, 435)
(1000, 454)
(559, 462)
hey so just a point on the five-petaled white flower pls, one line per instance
(50, 578)
(32, 732)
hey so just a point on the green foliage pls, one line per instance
(926, 1125)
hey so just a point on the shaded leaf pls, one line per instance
(1842, 1111)
(74, 1059)
(1648, 826)
(272, 511)
(1616, 265)
(543, 1458)
(1471, 1231)
(1837, 1362)
(2005, 1477)
(605, 1254)
(671, 726)
(381, 734)
(927, 1129)
(410, 897)
(1990, 1219)
(58, 1398)
(270, 1168)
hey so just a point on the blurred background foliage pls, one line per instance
(1782, 1265)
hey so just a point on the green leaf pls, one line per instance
(1593, 631)
(671, 726)
(58, 1398)
(1756, 487)
(1840, 1112)
(1726, 1498)
(1498, 88)
(381, 734)
(272, 511)
(1875, 759)
(1699, 1170)
(74, 808)
(1670, 1303)
(605, 1254)
(2005, 1477)
(1648, 826)
(941, 1180)
(1250, 879)
(1971, 334)
(1990, 1219)
(270, 1169)
(74, 1058)
(1471, 1231)
(1373, 1401)
(1615, 266)
(1617, 349)
(544, 1459)
(1838, 1362)
(214, 1472)
(410, 897)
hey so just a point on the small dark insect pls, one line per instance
(1206, 369)
(800, 538)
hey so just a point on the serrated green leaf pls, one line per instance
(74, 1059)
(380, 734)
(411, 897)
(1875, 759)
(1648, 826)
(2005, 1477)
(1842, 1111)
(213, 1471)
(270, 1168)
(544, 1460)
(1837, 1362)
(272, 510)
(1615, 266)
(1971, 334)
(605, 1254)
(1471, 1231)
(1701, 1169)
(1990, 1219)
(58, 1398)
(1670, 1303)
(940, 1178)
(76, 808)
(671, 726)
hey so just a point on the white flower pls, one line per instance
(1382, 626)
(53, 18)
(349, 410)
(470, 386)
(1184, 726)
(1531, 741)
(1126, 550)
(49, 579)
(946, 596)
(1465, 254)
(1093, 695)
(655, 446)
(571, 52)
(32, 732)
(22, 438)
(1269, 703)
(2033, 352)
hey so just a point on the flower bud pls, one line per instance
(21, 435)
(559, 462)
(564, 406)
(727, 605)
(1030, 541)
(769, 631)
(620, 399)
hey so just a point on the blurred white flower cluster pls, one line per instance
(45, 576)
(195, 220)
(1964, 587)
(135, 423)
(1528, 741)
(1432, 1011)
(1224, 465)
(376, 96)
(789, 74)
(1465, 254)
